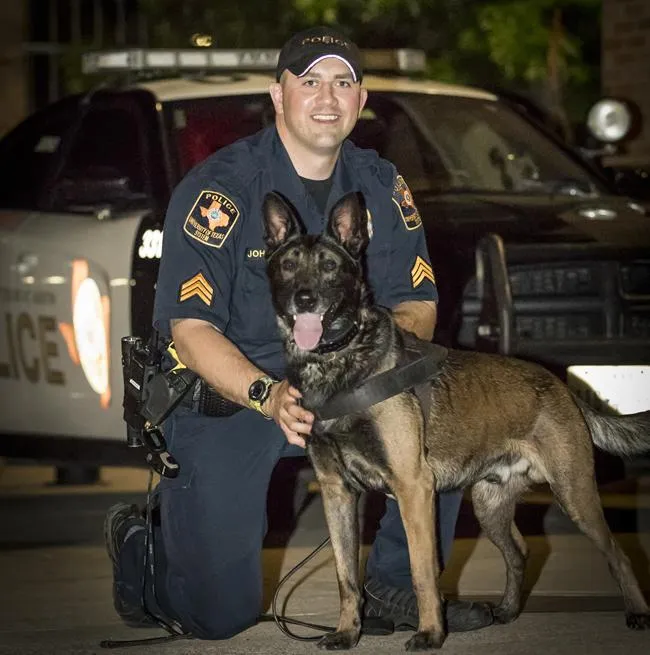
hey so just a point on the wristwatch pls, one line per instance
(258, 392)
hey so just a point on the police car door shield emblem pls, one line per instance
(403, 198)
(211, 219)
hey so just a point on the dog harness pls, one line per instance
(420, 363)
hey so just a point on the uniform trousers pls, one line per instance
(207, 572)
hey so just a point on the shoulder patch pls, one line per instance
(196, 286)
(420, 272)
(403, 198)
(211, 218)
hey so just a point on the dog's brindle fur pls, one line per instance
(496, 424)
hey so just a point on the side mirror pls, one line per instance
(496, 325)
(94, 187)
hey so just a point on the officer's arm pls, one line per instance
(417, 316)
(202, 348)
(412, 294)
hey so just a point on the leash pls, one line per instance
(174, 629)
(421, 364)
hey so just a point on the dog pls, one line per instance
(493, 423)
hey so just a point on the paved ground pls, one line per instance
(56, 577)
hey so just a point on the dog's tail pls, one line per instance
(624, 435)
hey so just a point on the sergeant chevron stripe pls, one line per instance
(197, 286)
(420, 272)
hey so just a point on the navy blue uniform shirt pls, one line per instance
(212, 264)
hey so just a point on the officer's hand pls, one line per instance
(282, 405)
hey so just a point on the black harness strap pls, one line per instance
(421, 363)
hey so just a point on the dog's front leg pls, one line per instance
(342, 521)
(417, 508)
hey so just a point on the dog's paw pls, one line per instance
(339, 641)
(425, 641)
(637, 621)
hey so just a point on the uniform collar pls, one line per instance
(286, 180)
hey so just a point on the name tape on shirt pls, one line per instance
(197, 286)
(420, 272)
(211, 219)
(403, 198)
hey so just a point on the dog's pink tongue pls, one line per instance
(307, 331)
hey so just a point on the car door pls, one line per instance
(72, 267)
(28, 156)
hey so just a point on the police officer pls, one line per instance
(213, 297)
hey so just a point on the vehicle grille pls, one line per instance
(635, 279)
(551, 328)
(577, 302)
(637, 326)
(581, 280)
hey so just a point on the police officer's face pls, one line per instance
(320, 108)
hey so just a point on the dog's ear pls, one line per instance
(280, 222)
(348, 224)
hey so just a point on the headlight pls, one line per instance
(609, 120)
(90, 335)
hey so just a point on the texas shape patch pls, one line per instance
(403, 198)
(211, 219)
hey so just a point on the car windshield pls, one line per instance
(439, 143)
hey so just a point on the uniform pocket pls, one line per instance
(254, 317)
(378, 270)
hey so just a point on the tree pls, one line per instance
(530, 43)
(545, 48)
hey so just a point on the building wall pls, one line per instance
(13, 64)
(625, 71)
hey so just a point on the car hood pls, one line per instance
(609, 221)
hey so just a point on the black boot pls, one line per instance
(387, 609)
(121, 522)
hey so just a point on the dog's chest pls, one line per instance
(350, 452)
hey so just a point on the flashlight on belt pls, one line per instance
(152, 390)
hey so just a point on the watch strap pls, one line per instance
(256, 404)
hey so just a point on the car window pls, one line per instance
(106, 161)
(438, 143)
(485, 146)
(200, 127)
(385, 127)
(30, 153)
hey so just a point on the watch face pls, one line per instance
(256, 391)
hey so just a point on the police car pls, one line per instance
(86, 181)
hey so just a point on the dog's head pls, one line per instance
(316, 281)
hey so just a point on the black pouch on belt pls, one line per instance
(210, 403)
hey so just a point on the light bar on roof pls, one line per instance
(148, 60)
(403, 60)
(158, 59)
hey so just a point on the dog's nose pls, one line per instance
(305, 300)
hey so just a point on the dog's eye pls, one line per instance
(328, 265)
(288, 266)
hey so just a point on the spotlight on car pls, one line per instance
(609, 120)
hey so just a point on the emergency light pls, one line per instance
(142, 60)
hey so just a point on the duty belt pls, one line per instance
(207, 402)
